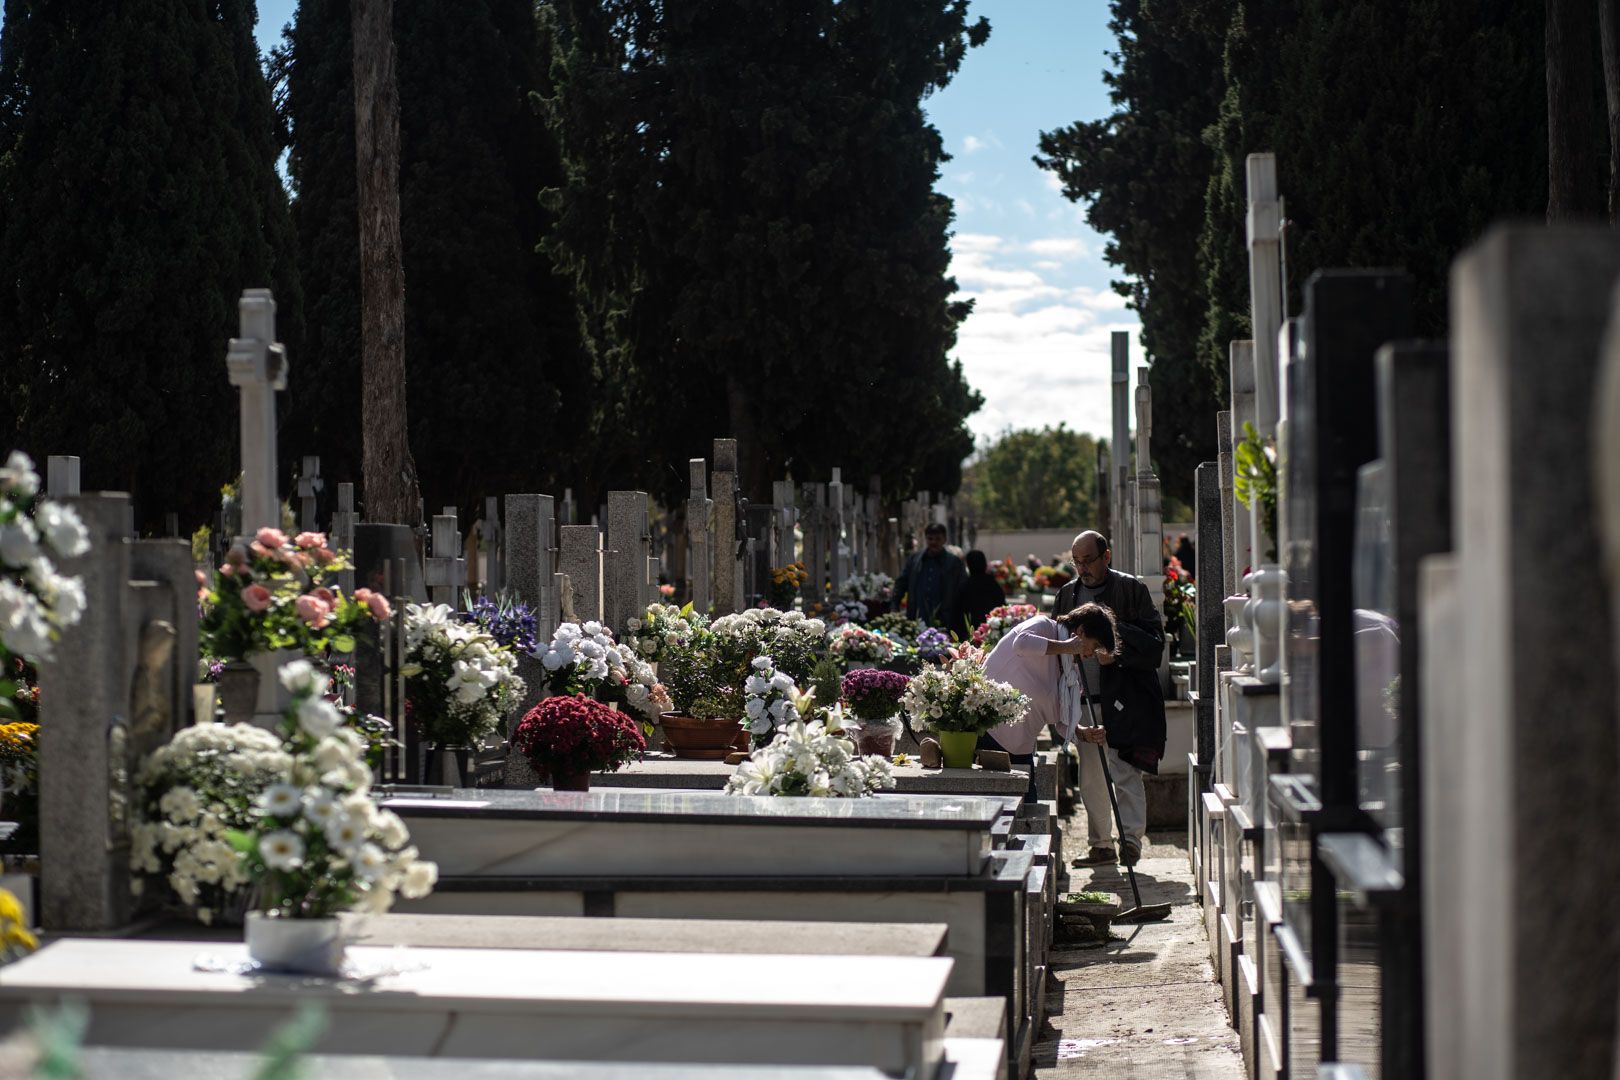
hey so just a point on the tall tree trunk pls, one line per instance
(1609, 33)
(1574, 189)
(391, 493)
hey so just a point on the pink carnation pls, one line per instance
(313, 610)
(271, 538)
(256, 598)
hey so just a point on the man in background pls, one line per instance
(931, 580)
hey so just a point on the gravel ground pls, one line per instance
(1145, 1006)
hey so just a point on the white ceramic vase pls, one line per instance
(295, 946)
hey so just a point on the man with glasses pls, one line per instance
(1123, 686)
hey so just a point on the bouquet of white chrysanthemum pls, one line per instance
(317, 844)
(663, 627)
(204, 781)
(865, 587)
(460, 682)
(959, 697)
(807, 759)
(792, 641)
(36, 603)
(770, 697)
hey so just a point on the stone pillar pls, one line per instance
(1211, 615)
(699, 532)
(310, 486)
(835, 533)
(61, 476)
(1265, 287)
(727, 568)
(494, 548)
(257, 365)
(1149, 518)
(1121, 450)
(626, 570)
(528, 556)
(1241, 376)
(581, 559)
(1536, 732)
(344, 519)
(1224, 461)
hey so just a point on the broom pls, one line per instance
(1141, 912)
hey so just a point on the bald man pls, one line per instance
(1126, 697)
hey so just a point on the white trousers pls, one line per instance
(1128, 789)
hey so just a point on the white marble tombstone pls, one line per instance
(445, 571)
(1241, 381)
(61, 476)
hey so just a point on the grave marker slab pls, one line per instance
(581, 560)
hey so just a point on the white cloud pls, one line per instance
(972, 144)
(1036, 347)
(1052, 181)
(1059, 247)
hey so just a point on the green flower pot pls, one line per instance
(957, 747)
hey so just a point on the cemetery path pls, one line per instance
(1146, 1006)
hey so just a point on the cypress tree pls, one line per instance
(751, 219)
(138, 197)
(491, 333)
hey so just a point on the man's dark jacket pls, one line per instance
(1130, 698)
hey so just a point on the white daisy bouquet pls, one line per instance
(959, 697)
(661, 629)
(460, 682)
(807, 759)
(36, 603)
(204, 781)
(318, 845)
(770, 700)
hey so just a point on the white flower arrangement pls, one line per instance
(790, 639)
(960, 697)
(317, 843)
(583, 658)
(850, 611)
(460, 680)
(662, 627)
(770, 699)
(807, 759)
(36, 602)
(865, 587)
(205, 780)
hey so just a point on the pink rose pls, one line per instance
(313, 610)
(202, 579)
(325, 596)
(271, 538)
(236, 557)
(263, 552)
(376, 602)
(310, 540)
(324, 555)
(256, 598)
(227, 569)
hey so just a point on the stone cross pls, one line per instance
(699, 537)
(625, 573)
(1121, 444)
(490, 537)
(1264, 222)
(117, 687)
(310, 485)
(581, 559)
(445, 571)
(568, 511)
(727, 567)
(257, 365)
(837, 571)
(61, 476)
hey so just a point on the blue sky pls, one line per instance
(1037, 343)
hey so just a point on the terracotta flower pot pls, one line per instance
(700, 740)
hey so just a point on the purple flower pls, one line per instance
(874, 694)
(932, 644)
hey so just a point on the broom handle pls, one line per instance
(1108, 779)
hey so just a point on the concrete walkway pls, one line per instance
(1146, 1007)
